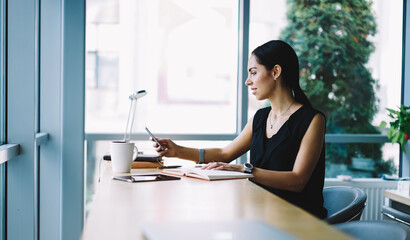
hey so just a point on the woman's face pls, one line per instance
(259, 80)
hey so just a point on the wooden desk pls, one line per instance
(398, 202)
(120, 207)
(394, 195)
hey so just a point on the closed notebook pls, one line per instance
(140, 164)
(207, 174)
(143, 161)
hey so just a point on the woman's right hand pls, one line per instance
(170, 148)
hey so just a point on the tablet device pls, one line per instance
(146, 178)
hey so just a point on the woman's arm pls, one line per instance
(306, 160)
(236, 148)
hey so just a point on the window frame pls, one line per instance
(49, 205)
(62, 109)
(2, 73)
(21, 124)
(404, 163)
(2, 118)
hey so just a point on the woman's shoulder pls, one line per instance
(260, 116)
(263, 110)
(310, 111)
(304, 116)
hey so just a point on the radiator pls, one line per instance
(374, 188)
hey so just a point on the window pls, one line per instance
(172, 55)
(358, 86)
(183, 53)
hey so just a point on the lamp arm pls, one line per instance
(128, 121)
(131, 114)
(134, 104)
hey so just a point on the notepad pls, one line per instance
(207, 174)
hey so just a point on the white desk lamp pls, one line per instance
(134, 97)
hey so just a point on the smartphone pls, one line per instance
(155, 139)
(169, 166)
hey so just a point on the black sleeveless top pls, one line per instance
(279, 153)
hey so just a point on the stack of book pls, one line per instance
(143, 161)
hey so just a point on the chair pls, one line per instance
(396, 215)
(374, 230)
(343, 203)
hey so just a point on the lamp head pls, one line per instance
(138, 95)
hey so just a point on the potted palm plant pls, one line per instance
(399, 126)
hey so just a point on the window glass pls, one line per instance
(359, 166)
(350, 64)
(183, 53)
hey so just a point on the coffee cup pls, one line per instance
(122, 153)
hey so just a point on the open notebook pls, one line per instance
(216, 230)
(206, 174)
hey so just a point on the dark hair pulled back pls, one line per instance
(277, 52)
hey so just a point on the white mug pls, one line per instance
(121, 156)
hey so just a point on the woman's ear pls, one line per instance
(276, 71)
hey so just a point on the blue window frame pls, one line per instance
(41, 176)
(405, 158)
(2, 118)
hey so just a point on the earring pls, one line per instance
(274, 78)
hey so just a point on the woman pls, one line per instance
(286, 140)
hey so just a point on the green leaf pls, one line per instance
(395, 125)
(390, 132)
(401, 140)
(392, 111)
(395, 137)
(383, 124)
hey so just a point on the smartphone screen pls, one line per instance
(155, 139)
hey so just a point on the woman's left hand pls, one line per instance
(223, 166)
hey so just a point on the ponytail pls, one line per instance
(300, 96)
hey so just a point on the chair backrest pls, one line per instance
(374, 230)
(343, 203)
